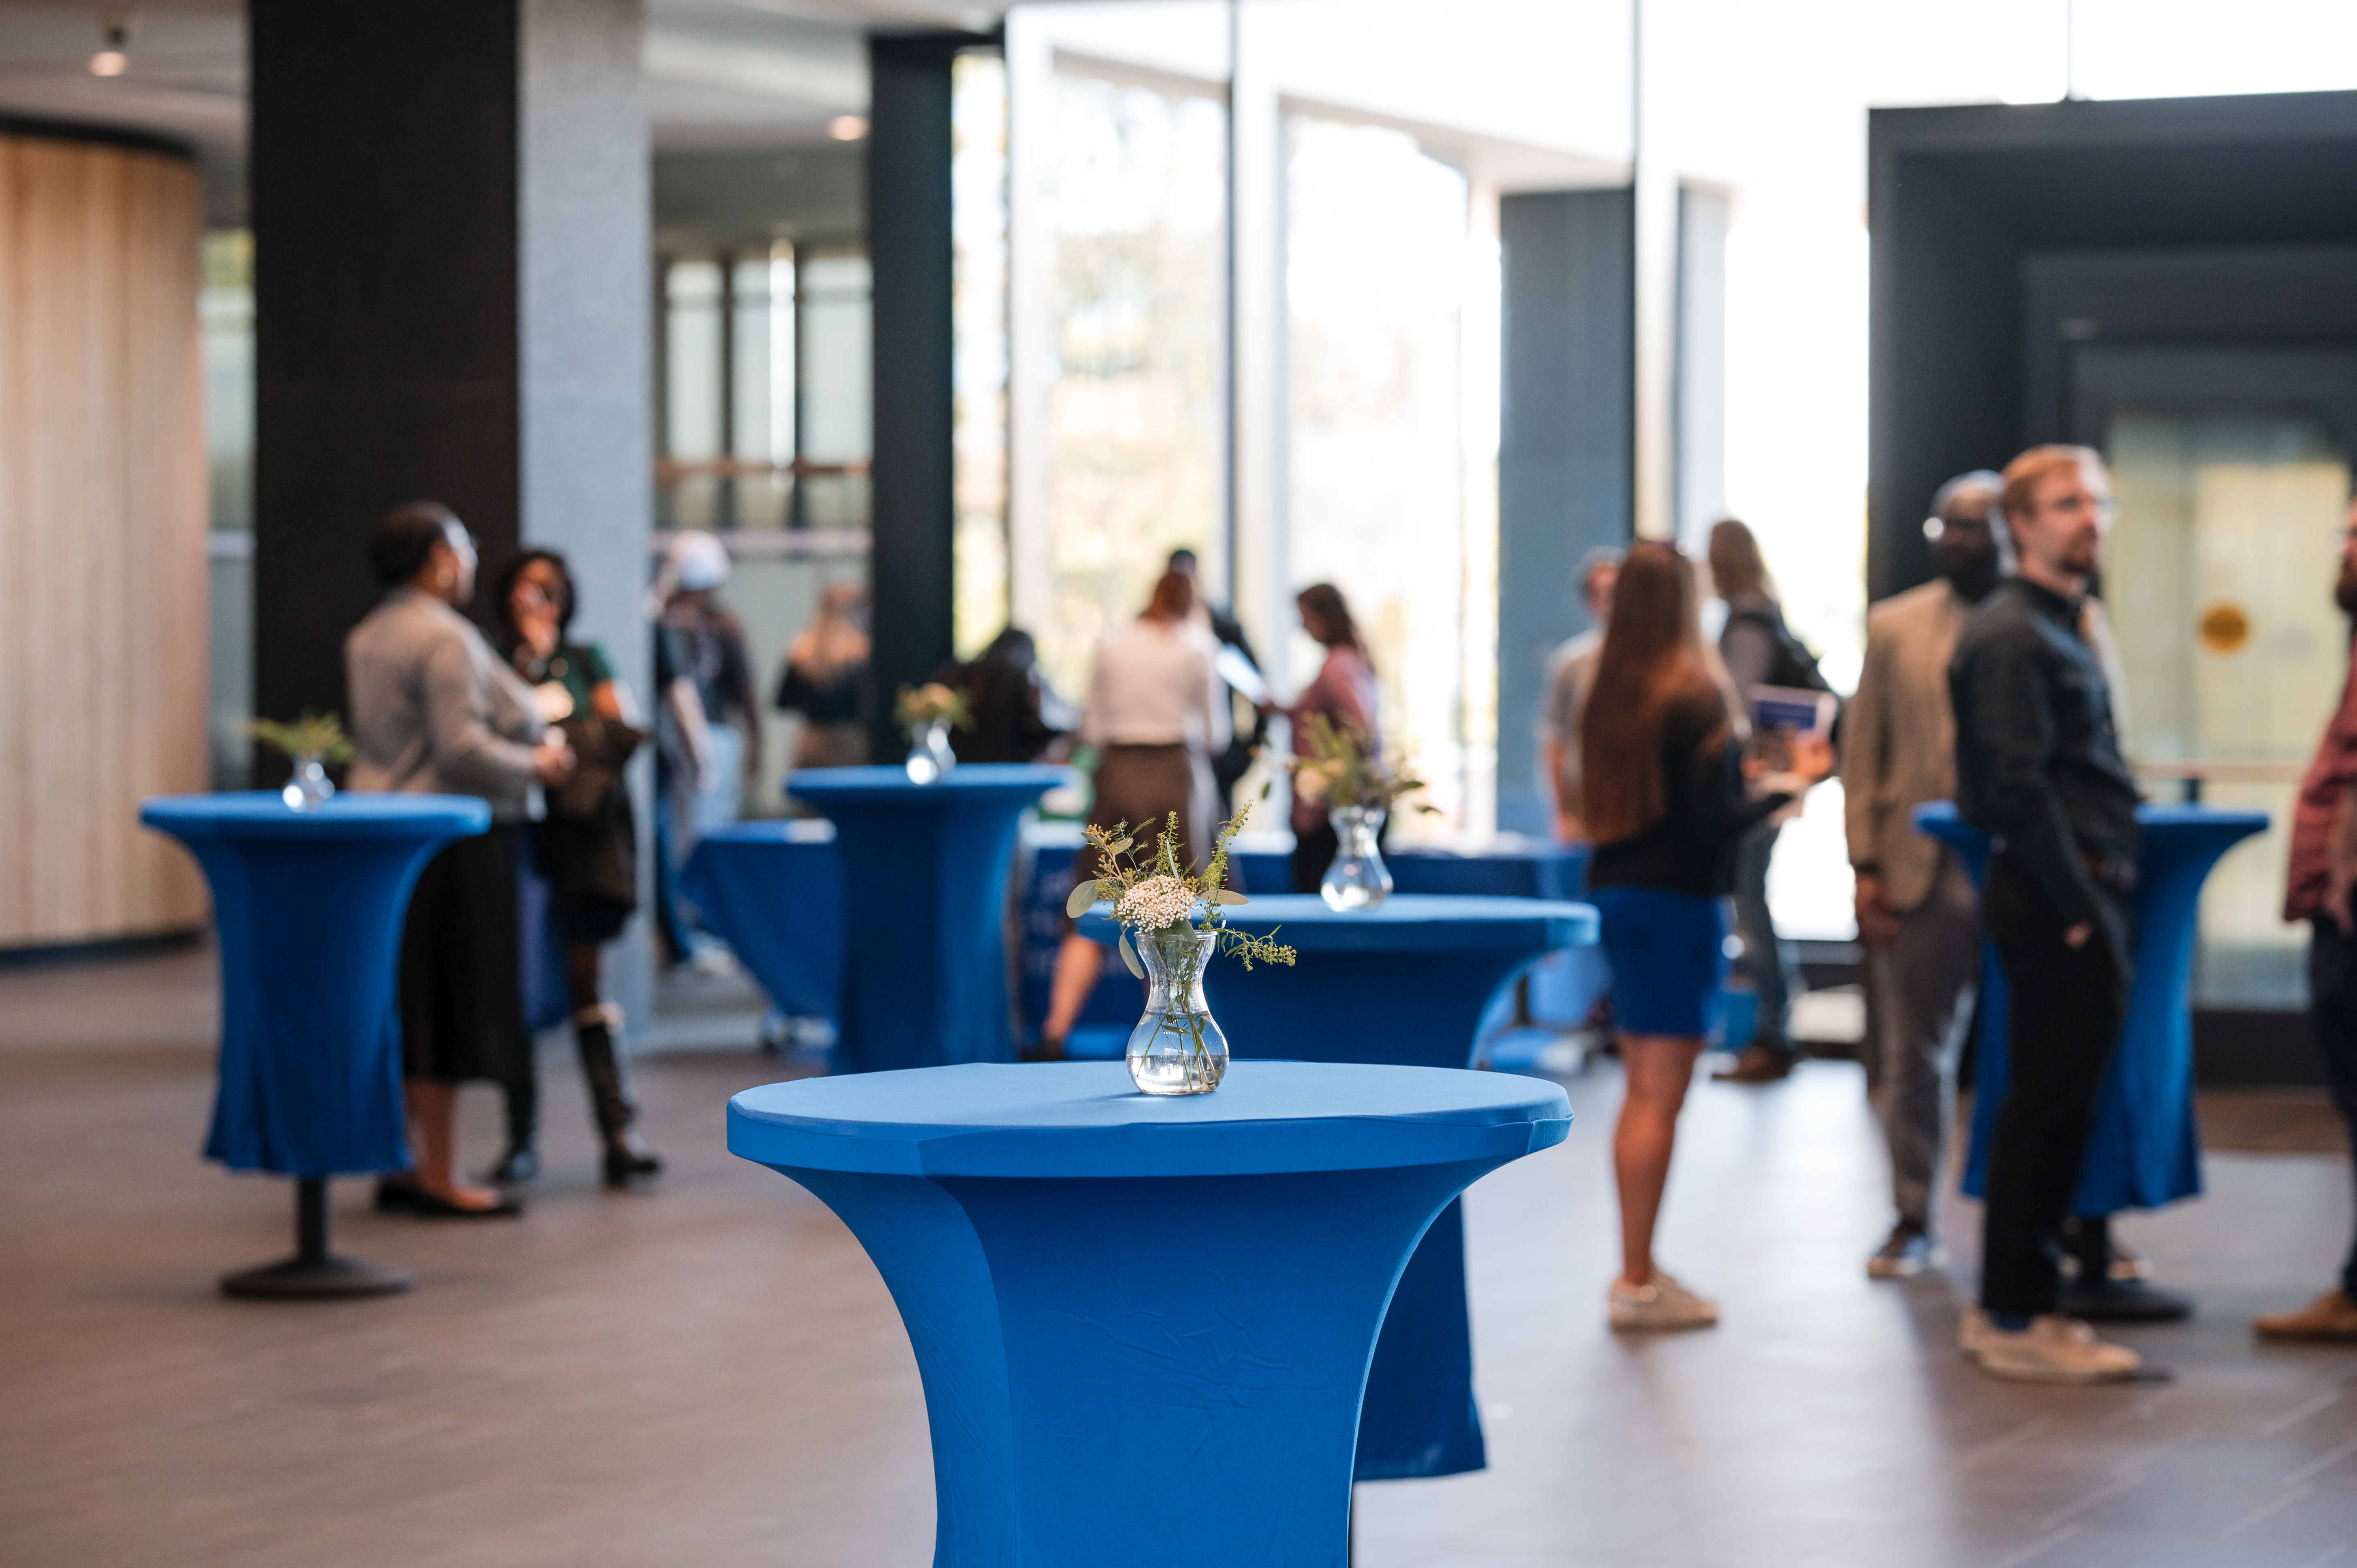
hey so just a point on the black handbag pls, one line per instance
(588, 845)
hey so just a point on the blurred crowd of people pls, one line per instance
(1675, 756)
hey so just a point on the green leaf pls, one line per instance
(1228, 896)
(1121, 848)
(1083, 895)
(1129, 957)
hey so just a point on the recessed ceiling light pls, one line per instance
(114, 57)
(848, 127)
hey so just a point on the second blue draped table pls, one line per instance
(924, 872)
(1143, 1323)
(1403, 985)
(307, 909)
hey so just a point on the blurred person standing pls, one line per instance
(1571, 674)
(1156, 723)
(704, 684)
(2322, 873)
(2039, 768)
(1758, 650)
(435, 711)
(1665, 797)
(1226, 632)
(1016, 714)
(1344, 693)
(585, 852)
(825, 681)
(1918, 915)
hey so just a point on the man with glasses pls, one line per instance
(2324, 872)
(1918, 915)
(2038, 768)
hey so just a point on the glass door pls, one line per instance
(2232, 474)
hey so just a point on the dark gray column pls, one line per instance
(909, 246)
(451, 252)
(1566, 452)
(450, 213)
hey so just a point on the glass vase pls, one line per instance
(1177, 1048)
(1358, 879)
(930, 756)
(308, 787)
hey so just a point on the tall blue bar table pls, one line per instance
(307, 909)
(1403, 985)
(2144, 1150)
(773, 892)
(924, 892)
(1144, 1324)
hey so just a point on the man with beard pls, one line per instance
(2039, 768)
(1917, 912)
(2323, 870)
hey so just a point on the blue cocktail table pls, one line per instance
(924, 892)
(2144, 1149)
(1403, 985)
(1144, 1324)
(773, 892)
(307, 908)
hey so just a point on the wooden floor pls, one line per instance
(711, 1374)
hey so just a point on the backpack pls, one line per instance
(1794, 665)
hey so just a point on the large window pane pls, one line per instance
(1133, 415)
(837, 404)
(1377, 254)
(978, 174)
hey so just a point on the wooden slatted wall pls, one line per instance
(103, 519)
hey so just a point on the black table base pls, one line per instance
(314, 1274)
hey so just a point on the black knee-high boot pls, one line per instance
(627, 1155)
(521, 1161)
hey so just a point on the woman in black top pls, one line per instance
(1664, 799)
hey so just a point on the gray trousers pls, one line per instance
(1925, 981)
(1770, 963)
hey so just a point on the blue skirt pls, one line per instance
(1668, 953)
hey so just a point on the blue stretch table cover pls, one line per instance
(773, 892)
(307, 908)
(2145, 1149)
(1403, 985)
(1144, 1324)
(924, 891)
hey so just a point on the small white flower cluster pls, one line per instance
(1155, 902)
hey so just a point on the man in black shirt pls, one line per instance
(2038, 767)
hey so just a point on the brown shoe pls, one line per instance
(1755, 1064)
(2331, 1318)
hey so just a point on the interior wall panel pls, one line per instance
(102, 497)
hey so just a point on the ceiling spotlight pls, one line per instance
(114, 59)
(845, 127)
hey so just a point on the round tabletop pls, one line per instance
(1417, 922)
(1084, 1119)
(972, 781)
(261, 814)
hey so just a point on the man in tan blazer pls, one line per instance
(1917, 913)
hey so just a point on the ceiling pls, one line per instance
(733, 76)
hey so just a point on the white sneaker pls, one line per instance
(2054, 1349)
(1970, 1330)
(1659, 1305)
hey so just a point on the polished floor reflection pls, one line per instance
(713, 1374)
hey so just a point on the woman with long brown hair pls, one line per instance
(1664, 796)
(1154, 723)
(1344, 693)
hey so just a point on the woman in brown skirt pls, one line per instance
(1156, 722)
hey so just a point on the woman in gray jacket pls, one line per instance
(435, 711)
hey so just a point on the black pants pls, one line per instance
(2333, 1011)
(2069, 1005)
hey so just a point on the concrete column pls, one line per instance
(1566, 446)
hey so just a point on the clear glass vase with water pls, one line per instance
(930, 755)
(308, 787)
(1177, 1048)
(1358, 879)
